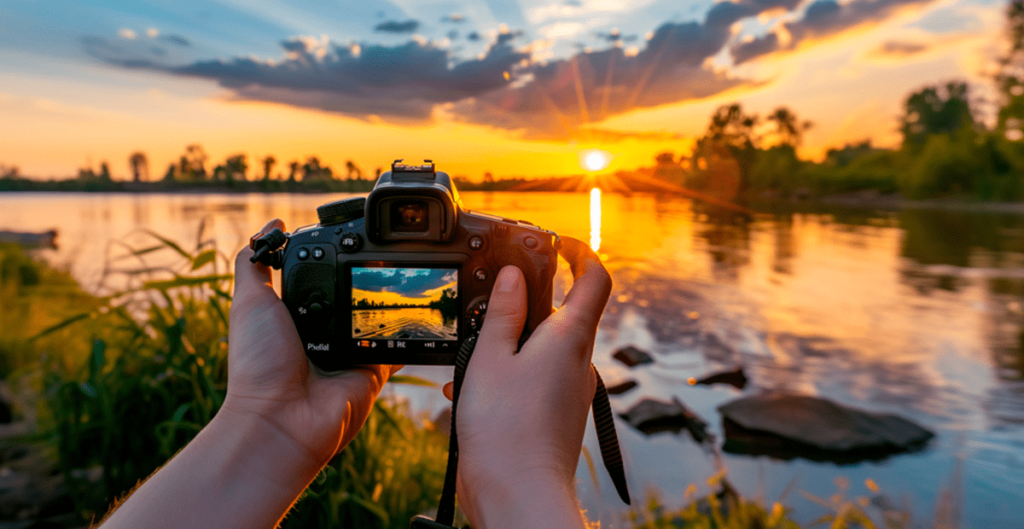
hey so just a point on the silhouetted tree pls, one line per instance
(788, 129)
(1010, 76)
(171, 173)
(236, 168)
(104, 171)
(192, 165)
(139, 165)
(352, 169)
(293, 170)
(312, 170)
(936, 110)
(725, 154)
(268, 166)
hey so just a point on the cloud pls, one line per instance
(561, 96)
(409, 282)
(177, 40)
(400, 83)
(900, 48)
(821, 19)
(394, 26)
(473, 36)
(454, 18)
(615, 36)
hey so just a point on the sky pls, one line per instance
(402, 285)
(512, 87)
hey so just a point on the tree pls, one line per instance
(268, 166)
(788, 129)
(192, 165)
(104, 171)
(139, 165)
(236, 167)
(725, 154)
(293, 170)
(936, 110)
(1010, 76)
(352, 169)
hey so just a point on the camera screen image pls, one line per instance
(405, 303)
(409, 216)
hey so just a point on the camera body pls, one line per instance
(404, 276)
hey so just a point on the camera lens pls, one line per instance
(409, 216)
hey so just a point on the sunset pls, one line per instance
(394, 264)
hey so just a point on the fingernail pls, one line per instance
(507, 280)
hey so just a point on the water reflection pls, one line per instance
(918, 313)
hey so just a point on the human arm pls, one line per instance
(280, 423)
(521, 416)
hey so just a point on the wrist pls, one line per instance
(524, 500)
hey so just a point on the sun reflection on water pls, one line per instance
(595, 219)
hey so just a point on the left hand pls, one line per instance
(270, 379)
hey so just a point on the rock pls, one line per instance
(787, 426)
(736, 378)
(621, 387)
(632, 357)
(652, 416)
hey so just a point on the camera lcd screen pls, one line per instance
(399, 304)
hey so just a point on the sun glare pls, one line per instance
(595, 159)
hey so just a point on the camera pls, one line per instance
(403, 276)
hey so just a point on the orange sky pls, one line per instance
(74, 113)
(394, 298)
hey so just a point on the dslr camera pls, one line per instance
(402, 276)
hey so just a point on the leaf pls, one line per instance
(61, 325)
(412, 381)
(88, 389)
(170, 244)
(203, 259)
(179, 413)
(372, 509)
(185, 281)
(96, 360)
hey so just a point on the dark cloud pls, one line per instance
(410, 282)
(821, 19)
(555, 99)
(454, 18)
(474, 36)
(452, 35)
(176, 39)
(615, 36)
(394, 26)
(900, 48)
(400, 83)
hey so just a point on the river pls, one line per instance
(918, 312)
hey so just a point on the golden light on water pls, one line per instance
(595, 159)
(595, 219)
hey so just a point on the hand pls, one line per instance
(521, 417)
(269, 377)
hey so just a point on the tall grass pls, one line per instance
(151, 372)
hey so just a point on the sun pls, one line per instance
(595, 159)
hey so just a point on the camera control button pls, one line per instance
(350, 242)
(475, 243)
(318, 253)
(530, 242)
(480, 274)
(302, 254)
(315, 309)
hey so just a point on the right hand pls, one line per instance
(521, 417)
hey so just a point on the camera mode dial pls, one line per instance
(475, 315)
(341, 211)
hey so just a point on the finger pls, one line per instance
(591, 284)
(448, 390)
(506, 311)
(253, 278)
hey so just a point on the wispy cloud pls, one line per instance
(821, 19)
(394, 26)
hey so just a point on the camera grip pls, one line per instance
(538, 267)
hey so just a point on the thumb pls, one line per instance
(506, 314)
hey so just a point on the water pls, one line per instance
(918, 313)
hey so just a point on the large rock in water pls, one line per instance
(787, 426)
(632, 356)
(652, 416)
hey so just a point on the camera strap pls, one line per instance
(604, 422)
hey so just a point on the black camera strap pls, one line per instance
(604, 421)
